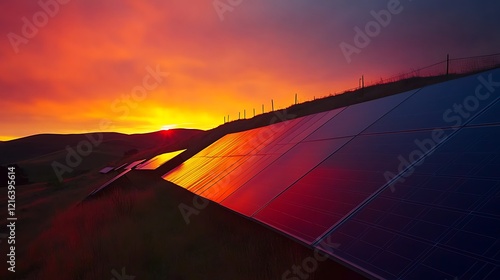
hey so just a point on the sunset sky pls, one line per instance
(86, 62)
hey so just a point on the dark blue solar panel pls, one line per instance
(489, 116)
(358, 117)
(336, 186)
(448, 104)
(444, 223)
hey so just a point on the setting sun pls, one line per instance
(168, 126)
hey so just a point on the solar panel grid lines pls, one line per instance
(307, 125)
(282, 129)
(488, 193)
(446, 104)
(218, 146)
(350, 214)
(238, 181)
(249, 168)
(222, 170)
(266, 185)
(223, 153)
(305, 121)
(413, 237)
(224, 184)
(288, 128)
(226, 144)
(352, 265)
(255, 138)
(212, 168)
(186, 170)
(158, 160)
(302, 137)
(223, 189)
(221, 146)
(321, 119)
(489, 115)
(278, 130)
(478, 158)
(358, 117)
(435, 142)
(245, 144)
(298, 179)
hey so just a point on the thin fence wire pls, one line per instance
(452, 66)
(455, 66)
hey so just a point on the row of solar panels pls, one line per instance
(150, 164)
(406, 186)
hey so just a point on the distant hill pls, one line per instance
(44, 144)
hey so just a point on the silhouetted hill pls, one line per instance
(43, 144)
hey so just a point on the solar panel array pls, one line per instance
(158, 160)
(124, 171)
(407, 186)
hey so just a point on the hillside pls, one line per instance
(36, 155)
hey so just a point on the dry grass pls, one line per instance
(142, 230)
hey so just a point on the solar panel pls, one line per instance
(158, 160)
(337, 185)
(490, 116)
(108, 182)
(106, 170)
(134, 164)
(222, 167)
(358, 117)
(283, 172)
(308, 125)
(448, 104)
(433, 222)
(225, 186)
(122, 166)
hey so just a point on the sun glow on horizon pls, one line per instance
(168, 127)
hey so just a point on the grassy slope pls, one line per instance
(143, 230)
(37, 203)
